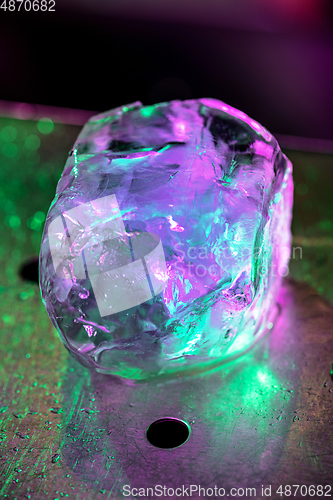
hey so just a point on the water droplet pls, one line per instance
(56, 410)
(89, 410)
(22, 436)
(55, 458)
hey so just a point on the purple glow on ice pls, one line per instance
(188, 257)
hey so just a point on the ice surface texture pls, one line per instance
(164, 248)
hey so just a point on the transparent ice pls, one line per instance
(165, 246)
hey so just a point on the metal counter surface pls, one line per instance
(263, 420)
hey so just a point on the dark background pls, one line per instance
(271, 59)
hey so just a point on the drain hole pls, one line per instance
(168, 432)
(29, 270)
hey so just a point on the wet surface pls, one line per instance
(242, 417)
(266, 419)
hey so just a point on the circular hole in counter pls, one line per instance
(168, 432)
(29, 270)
